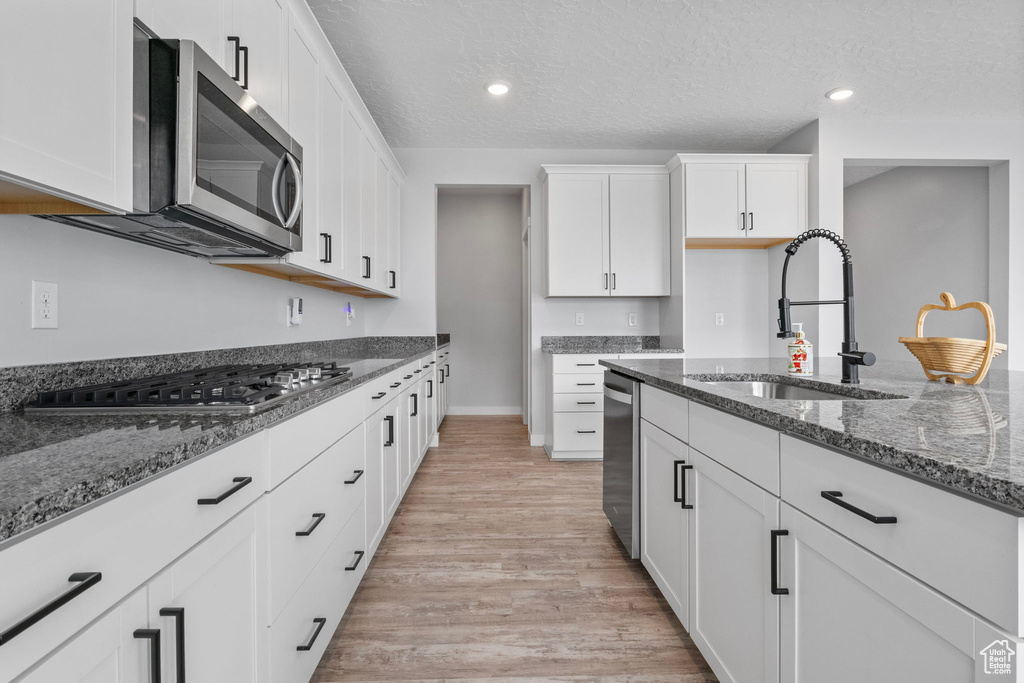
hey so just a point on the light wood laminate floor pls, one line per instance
(500, 566)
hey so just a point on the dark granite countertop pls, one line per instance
(968, 439)
(443, 339)
(590, 344)
(51, 465)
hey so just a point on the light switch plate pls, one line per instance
(44, 305)
(579, 318)
(632, 318)
(719, 319)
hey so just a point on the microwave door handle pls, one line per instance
(294, 216)
(275, 184)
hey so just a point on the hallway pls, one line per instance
(500, 565)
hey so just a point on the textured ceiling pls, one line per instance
(670, 74)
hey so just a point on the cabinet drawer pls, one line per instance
(578, 403)
(579, 431)
(127, 539)
(324, 595)
(965, 549)
(666, 411)
(377, 393)
(299, 439)
(577, 383)
(748, 449)
(317, 489)
(579, 363)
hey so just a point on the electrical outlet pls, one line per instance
(719, 319)
(632, 318)
(579, 318)
(44, 305)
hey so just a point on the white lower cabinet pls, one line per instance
(376, 515)
(392, 452)
(407, 438)
(734, 617)
(851, 617)
(665, 516)
(108, 651)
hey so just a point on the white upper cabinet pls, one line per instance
(259, 27)
(353, 191)
(639, 243)
(333, 246)
(56, 55)
(383, 264)
(608, 230)
(207, 22)
(368, 199)
(394, 230)
(732, 196)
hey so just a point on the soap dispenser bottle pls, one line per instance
(801, 353)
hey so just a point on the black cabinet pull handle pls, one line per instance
(359, 558)
(586, 403)
(417, 371)
(676, 497)
(366, 264)
(606, 280)
(775, 562)
(245, 70)
(586, 384)
(682, 487)
(396, 385)
(355, 477)
(613, 281)
(743, 217)
(585, 365)
(447, 370)
(319, 621)
(415, 406)
(240, 483)
(178, 613)
(586, 431)
(836, 497)
(390, 419)
(327, 247)
(83, 580)
(442, 376)
(392, 285)
(430, 388)
(153, 636)
(432, 362)
(317, 518)
(380, 395)
(238, 45)
(751, 221)
(407, 377)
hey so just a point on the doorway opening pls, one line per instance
(483, 295)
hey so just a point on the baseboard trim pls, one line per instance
(485, 410)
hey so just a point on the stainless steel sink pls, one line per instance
(785, 392)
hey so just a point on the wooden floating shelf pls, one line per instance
(290, 273)
(735, 242)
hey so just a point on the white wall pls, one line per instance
(479, 297)
(118, 298)
(415, 313)
(733, 282)
(917, 232)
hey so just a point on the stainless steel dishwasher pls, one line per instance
(622, 458)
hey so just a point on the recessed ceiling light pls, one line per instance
(839, 93)
(498, 87)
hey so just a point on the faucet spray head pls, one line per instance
(785, 331)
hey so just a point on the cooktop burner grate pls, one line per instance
(235, 388)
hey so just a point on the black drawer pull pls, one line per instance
(682, 486)
(179, 638)
(407, 377)
(380, 395)
(366, 262)
(393, 284)
(775, 562)
(585, 365)
(153, 636)
(415, 405)
(586, 384)
(319, 621)
(586, 403)
(441, 375)
(432, 362)
(396, 385)
(317, 518)
(430, 388)
(586, 431)
(417, 371)
(836, 497)
(676, 498)
(83, 580)
(355, 478)
(390, 419)
(359, 558)
(240, 483)
(447, 370)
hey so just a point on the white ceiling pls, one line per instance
(709, 75)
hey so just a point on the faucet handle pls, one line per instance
(859, 357)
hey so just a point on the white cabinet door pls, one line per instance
(368, 199)
(203, 21)
(715, 200)
(334, 249)
(383, 261)
(422, 416)
(107, 651)
(353, 201)
(639, 241)
(734, 617)
(53, 54)
(215, 584)
(664, 523)
(776, 200)
(851, 617)
(432, 398)
(376, 514)
(303, 106)
(392, 458)
(260, 27)
(407, 436)
(394, 235)
(577, 226)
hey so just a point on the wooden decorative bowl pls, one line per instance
(953, 354)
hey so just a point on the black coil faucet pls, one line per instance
(852, 358)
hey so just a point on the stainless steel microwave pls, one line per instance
(214, 174)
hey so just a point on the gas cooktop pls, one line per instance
(226, 388)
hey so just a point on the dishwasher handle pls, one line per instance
(616, 395)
